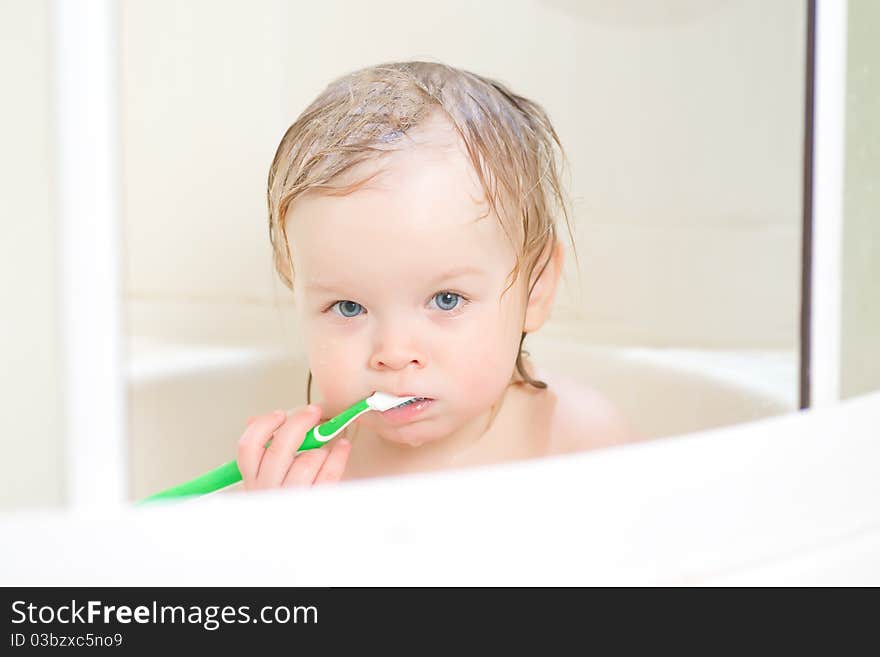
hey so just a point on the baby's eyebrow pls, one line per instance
(320, 287)
(458, 271)
(452, 273)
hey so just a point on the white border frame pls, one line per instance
(828, 175)
(86, 118)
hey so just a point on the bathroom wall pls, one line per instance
(860, 300)
(30, 365)
(682, 119)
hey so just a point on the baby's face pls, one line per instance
(398, 288)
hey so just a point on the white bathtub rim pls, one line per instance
(699, 507)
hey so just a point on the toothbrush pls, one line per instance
(228, 473)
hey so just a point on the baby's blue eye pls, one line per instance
(347, 308)
(447, 300)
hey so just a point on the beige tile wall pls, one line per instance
(860, 334)
(30, 363)
(683, 122)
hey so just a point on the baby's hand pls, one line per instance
(280, 465)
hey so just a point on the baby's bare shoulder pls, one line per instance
(583, 418)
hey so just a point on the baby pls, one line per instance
(412, 213)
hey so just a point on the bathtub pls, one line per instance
(189, 397)
(789, 500)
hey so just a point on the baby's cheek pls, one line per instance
(335, 380)
(483, 373)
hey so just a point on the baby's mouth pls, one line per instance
(409, 409)
(412, 401)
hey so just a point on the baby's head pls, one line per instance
(412, 213)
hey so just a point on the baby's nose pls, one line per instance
(393, 362)
(395, 351)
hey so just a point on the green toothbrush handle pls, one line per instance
(319, 435)
(221, 477)
(228, 473)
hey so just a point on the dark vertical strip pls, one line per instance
(807, 232)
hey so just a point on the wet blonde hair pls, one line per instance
(512, 145)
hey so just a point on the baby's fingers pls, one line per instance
(283, 450)
(305, 467)
(250, 445)
(318, 465)
(334, 465)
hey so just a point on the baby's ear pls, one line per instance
(545, 282)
